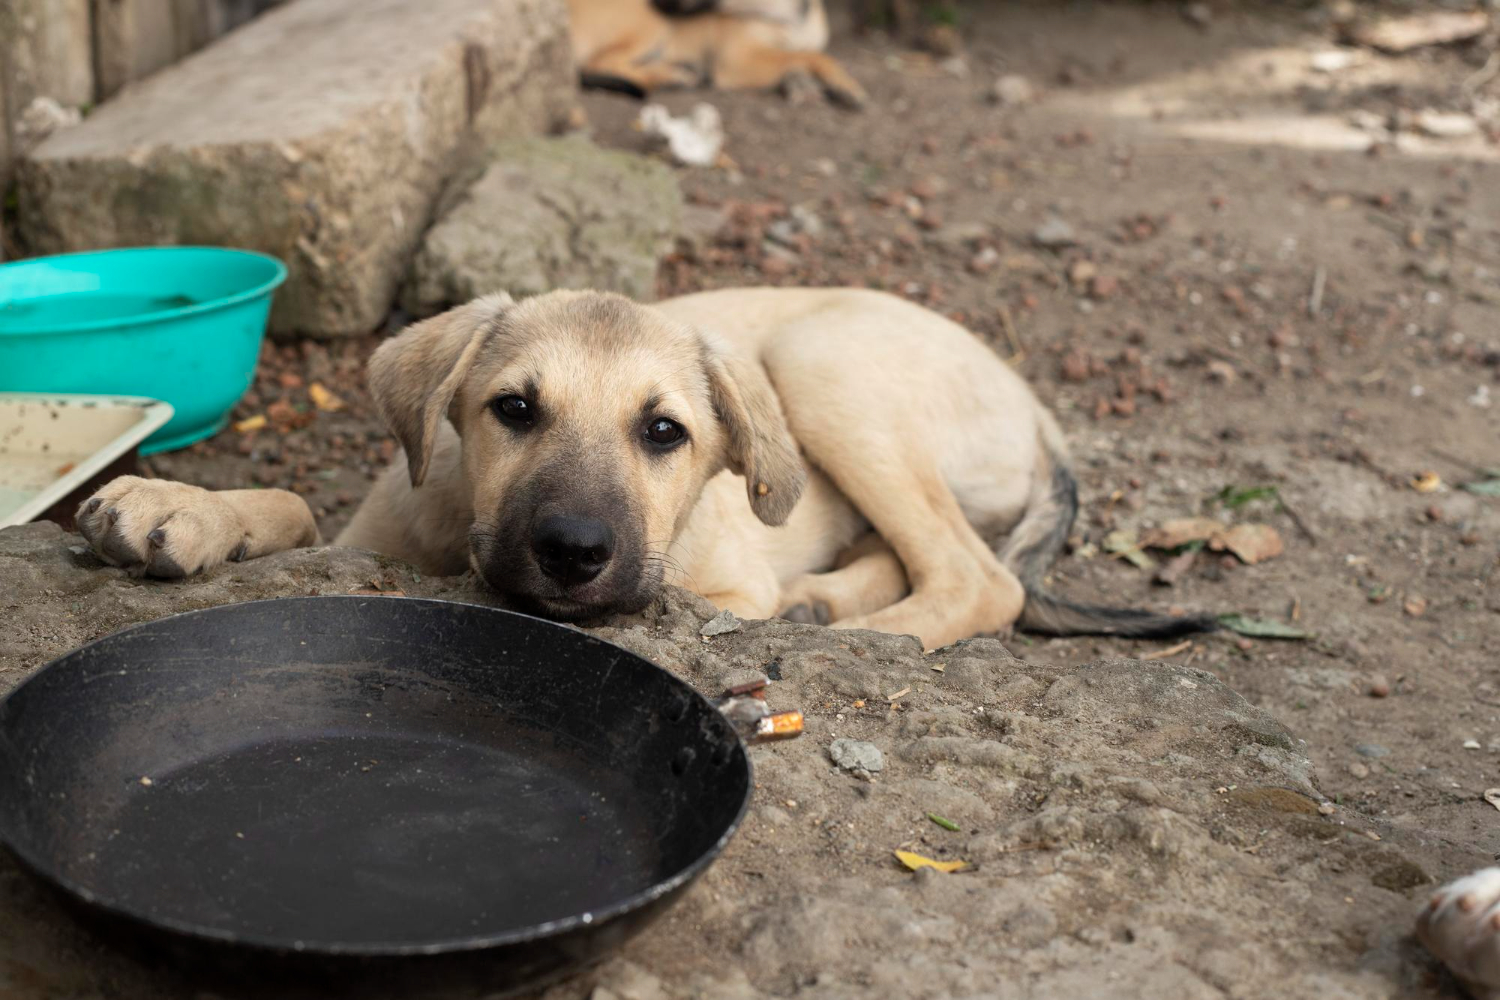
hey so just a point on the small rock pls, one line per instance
(1379, 687)
(719, 624)
(42, 117)
(807, 220)
(1077, 365)
(1415, 605)
(1359, 770)
(1472, 745)
(1054, 234)
(783, 231)
(1445, 124)
(1081, 272)
(984, 261)
(1222, 371)
(1103, 286)
(1327, 809)
(1332, 60)
(1374, 751)
(854, 755)
(1013, 89)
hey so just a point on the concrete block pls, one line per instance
(545, 214)
(321, 132)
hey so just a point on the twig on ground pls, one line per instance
(1478, 470)
(1315, 300)
(1162, 654)
(1008, 324)
(1302, 527)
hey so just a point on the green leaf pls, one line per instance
(1485, 488)
(946, 824)
(1261, 628)
(1234, 497)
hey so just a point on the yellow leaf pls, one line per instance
(249, 424)
(1427, 482)
(324, 399)
(916, 861)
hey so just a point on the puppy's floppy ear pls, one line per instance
(760, 444)
(415, 375)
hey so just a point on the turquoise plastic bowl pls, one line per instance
(179, 324)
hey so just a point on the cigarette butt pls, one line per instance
(781, 726)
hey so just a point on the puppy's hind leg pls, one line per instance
(958, 587)
(1461, 926)
(749, 66)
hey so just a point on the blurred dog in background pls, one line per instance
(638, 46)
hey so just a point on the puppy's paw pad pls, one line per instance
(1461, 926)
(808, 613)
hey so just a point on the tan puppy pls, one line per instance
(832, 455)
(630, 44)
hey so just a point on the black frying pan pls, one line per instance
(361, 794)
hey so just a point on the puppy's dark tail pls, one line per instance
(1032, 547)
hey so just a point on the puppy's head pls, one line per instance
(590, 425)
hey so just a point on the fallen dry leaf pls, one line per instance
(916, 862)
(1173, 569)
(1123, 543)
(1177, 533)
(1492, 796)
(287, 417)
(249, 424)
(324, 399)
(1253, 543)
(1427, 482)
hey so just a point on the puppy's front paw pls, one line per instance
(1461, 926)
(807, 613)
(153, 527)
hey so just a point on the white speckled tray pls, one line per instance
(52, 445)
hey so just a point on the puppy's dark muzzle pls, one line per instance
(572, 550)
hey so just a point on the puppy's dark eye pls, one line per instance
(514, 410)
(664, 433)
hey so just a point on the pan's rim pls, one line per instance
(382, 950)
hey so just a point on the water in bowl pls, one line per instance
(54, 311)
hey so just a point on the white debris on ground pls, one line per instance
(694, 140)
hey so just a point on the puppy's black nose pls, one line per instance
(572, 550)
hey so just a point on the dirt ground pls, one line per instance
(1271, 277)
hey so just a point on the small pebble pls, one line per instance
(1359, 770)
(853, 755)
(1471, 745)
(1372, 750)
(1379, 687)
